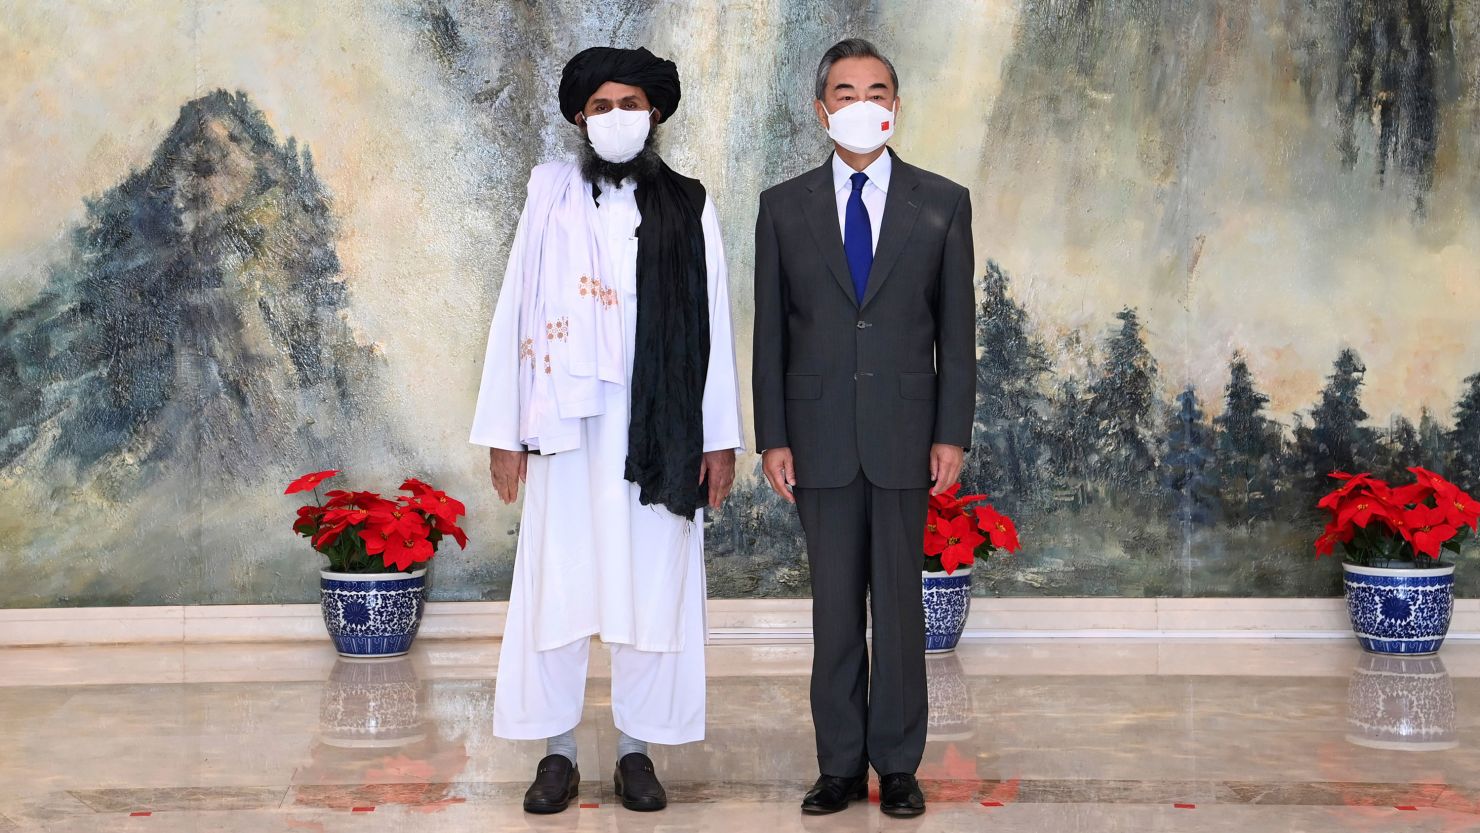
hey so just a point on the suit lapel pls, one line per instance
(822, 218)
(901, 207)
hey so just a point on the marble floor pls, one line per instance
(1063, 735)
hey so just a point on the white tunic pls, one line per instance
(591, 559)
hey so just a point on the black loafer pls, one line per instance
(557, 781)
(637, 785)
(832, 793)
(899, 795)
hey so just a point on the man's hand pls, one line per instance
(718, 469)
(945, 466)
(507, 469)
(780, 472)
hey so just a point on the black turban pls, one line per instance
(593, 67)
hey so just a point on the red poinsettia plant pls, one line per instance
(362, 532)
(960, 529)
(1378, 524)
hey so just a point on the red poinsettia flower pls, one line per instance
(950, 504)
(1360, 507)
(962, 540)
(401, 552)
(335, 522)
(1433, 480)
(1333, 535)
(309, 481)
(375, 540)
(1429, 528)
(1460, 509)
(339, 498)
(449, 528)
(435, 502)
(398, 520)
(1409, 494)
(1352, 483)
(308, 519)
(936, 538)
(999, 528)
(415, 487)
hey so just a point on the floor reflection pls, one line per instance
(1057, 735)
(377, 743)
(1401, 704)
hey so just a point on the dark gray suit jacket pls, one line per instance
(872, 386)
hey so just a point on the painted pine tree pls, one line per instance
(1121, 408)
(1335, 439)
(1433, 439)
(1188, 469)
(1465, 436)
(1071, 444)
(1010, 405)
(1248, 444)
(1399, 447)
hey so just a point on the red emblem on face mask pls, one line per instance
(884, 125)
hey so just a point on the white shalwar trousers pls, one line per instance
(657, 696)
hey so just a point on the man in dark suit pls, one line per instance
(865, 387)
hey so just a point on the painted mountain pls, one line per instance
(198, 317)
(195, 333)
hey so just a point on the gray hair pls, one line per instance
(851, 48)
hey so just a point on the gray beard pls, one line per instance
(640, 168)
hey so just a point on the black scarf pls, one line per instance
(665, 435)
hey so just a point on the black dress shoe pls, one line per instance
(899, 795)
(637, 784)
(556, 782)
(832, 793)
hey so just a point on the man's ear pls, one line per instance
(821, 112)
(656, 116)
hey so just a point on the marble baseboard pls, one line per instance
(729, 619)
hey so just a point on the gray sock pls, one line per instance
(626, 745)
(563, 744)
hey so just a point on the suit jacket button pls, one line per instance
(862, 325)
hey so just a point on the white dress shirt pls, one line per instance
(875, 191)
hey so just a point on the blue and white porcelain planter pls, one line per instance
(1398, 610)
(947, 601)
(372, 614)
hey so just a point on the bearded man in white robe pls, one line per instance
(610, 391)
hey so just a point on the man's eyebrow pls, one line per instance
(878, 85)
(840, 85)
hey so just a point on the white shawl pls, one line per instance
(569, 324)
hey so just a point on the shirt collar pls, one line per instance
(878, 172)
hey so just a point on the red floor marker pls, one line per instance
(992, 804)
(141, 813)
(1408, 807)
(1185, 806)
(590, 806)
(362, 809)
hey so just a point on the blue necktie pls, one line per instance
(858, 237)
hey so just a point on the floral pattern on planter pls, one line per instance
(372, 615)
(947, 601)
(1400, 611)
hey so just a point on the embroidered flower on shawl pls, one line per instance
(593, 288)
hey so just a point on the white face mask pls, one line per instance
(863, 127)
(619, 135)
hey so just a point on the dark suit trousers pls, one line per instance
(864, 541)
